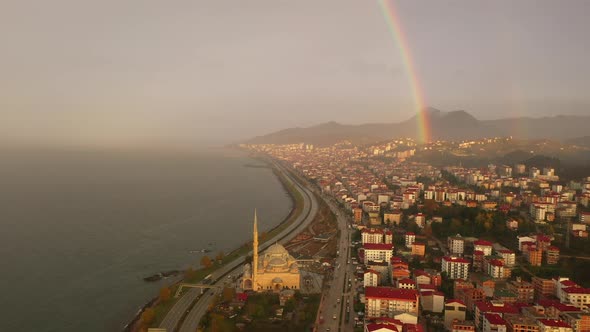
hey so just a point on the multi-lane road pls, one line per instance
(340, 296)
(194, 305)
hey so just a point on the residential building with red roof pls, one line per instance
(495, 307)
(455, 267)
(386, 301)
(377, 252)
(483, 246)
(493, 322)
(576, 296)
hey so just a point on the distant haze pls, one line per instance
(134, 73)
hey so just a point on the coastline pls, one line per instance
(296, 209)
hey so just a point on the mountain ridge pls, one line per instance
(452, 125)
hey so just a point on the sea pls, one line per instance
(81, 228)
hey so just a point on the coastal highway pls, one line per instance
(201, 302)
(339, 296)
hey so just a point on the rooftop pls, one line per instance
(553, 323)
(495, 319)
(391, 293)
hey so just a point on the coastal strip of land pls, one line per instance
(170, 313)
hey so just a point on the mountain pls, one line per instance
(455, 125)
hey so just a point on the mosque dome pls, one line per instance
(276, 250)
(277, 262)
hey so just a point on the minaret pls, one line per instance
(255, 254)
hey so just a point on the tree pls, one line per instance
(147, 316)
(165, 294)
(206, 261)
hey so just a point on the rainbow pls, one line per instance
(395, 28)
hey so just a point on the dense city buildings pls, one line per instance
(462, 242)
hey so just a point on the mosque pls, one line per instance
(274, 271)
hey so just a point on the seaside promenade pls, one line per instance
(192, 305)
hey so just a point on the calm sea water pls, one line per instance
(80, 229)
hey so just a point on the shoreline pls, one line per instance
(293, 195)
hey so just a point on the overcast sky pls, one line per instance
(114, 72)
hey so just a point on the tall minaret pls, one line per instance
(255, 254)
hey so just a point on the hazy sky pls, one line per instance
(145, 71)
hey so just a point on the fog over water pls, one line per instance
(80, 229)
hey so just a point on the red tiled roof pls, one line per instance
(407, 281)
(382, 327)
(454, 301)
(377, 246)
(486, 306)
(482, 243)
(496, 262)
(577, 290)
(568, 283)
(495, 319)
(426, 287)
(456, 259)
(553, 323)
(391, 293)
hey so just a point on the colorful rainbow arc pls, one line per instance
(395, 28)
